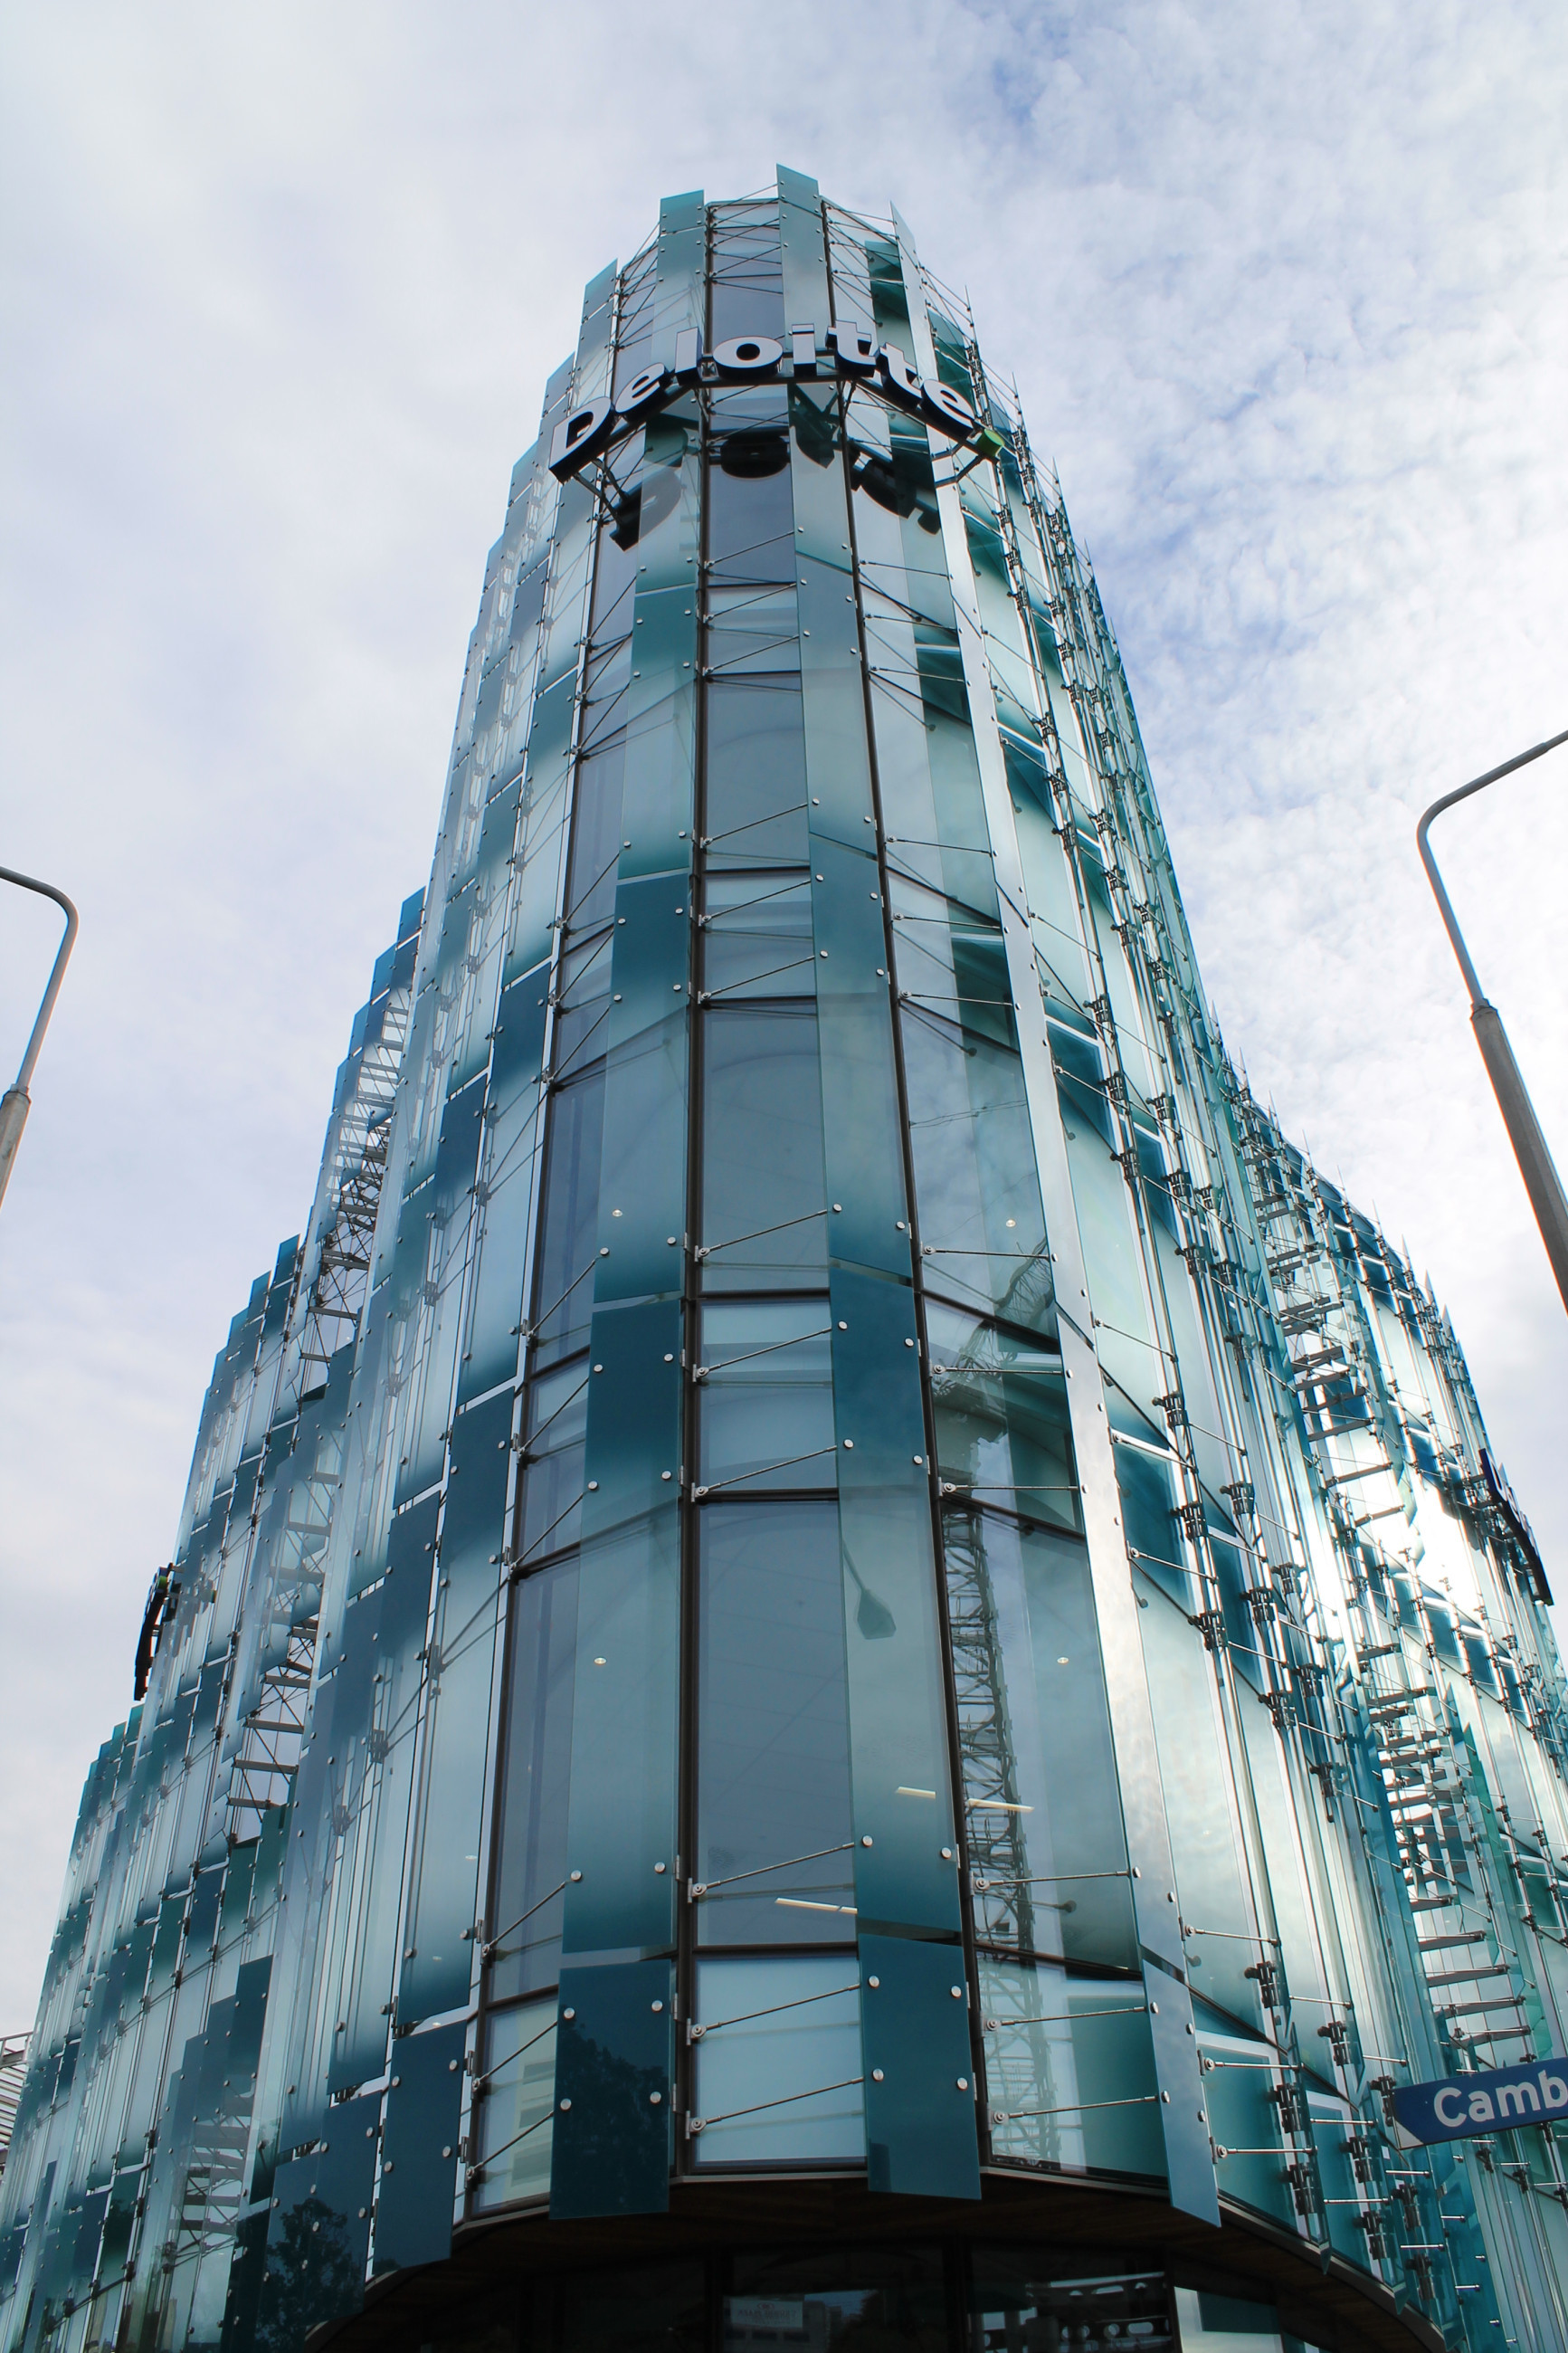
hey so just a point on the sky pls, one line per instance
(1285, 292)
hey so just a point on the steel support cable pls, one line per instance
(696, 1888)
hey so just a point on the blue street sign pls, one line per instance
(1493, 2100)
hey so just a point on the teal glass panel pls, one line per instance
(318, 2236)
(767, 1396)
(596, 836)
(905, 1860)
(982, 1227)
(1200, 1808)
(517, 2110)
(514, 1109)
(773, 1817)
(919, 2072)
(750, 513)
(778, 2061)
(1070, 2069)
(861, 1149)
(764, 1210)
(374, 1759)
(420, 2150)
(1002, 1426)
(615, 2050)
(583, 1001)
(567, 1255)
(1043, 1820)
(444, 1905)
(758, 937)
(621, 1834)
(530, 1835)
(642, 1195)
(756, 798)
(556, 1425)
(1147, 1483)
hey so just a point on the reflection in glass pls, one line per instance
(1002, 1428)
(763, 1207)
(1069, 2068)
(755, 806)
(873, 2299)
(568, 1217)
(767, 1396)
(1023, 2302)
(778, 2061)
(757, 936)
(553, 1479)
(1046, 1842)
(773, 1727)
(982, 1226)
(535, 1761)
(514, 2115)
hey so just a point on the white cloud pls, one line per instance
(1284, 293)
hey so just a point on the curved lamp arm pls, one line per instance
(14, 1103)
(1541, 1181)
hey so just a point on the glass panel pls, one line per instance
(779, 2060)
(1070, 2069)
(568, 1221)
(612, 2069)
(1002, 1434)
(420, 2150)
(757, 936)
(1046, 1844)
(873, 2300)
(1226, 2324)
(553, 1486)
(982, 1227)
(583, 986)
(755, 805)
(530, 1834)
(773, 1734)
(514, 2119)
(1199, 1806)
(767, 1396)
(596, 836)
(1021, 2302)
(763, 1207)
(921, 2092)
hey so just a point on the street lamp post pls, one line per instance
(15, 1102)
(1541, 1181)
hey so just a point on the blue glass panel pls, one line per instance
(531, 1866)
(774, 1822)
(567, 1255)
(622, 1825)
(764, 1210)
(443, 1905)
(755, 803)
(318, 2235)
(1044, 1834)
(919, 2072)
(612, 2107)
(516, 2111)
(778, 2062)
(767, 1396)
(420, 2150)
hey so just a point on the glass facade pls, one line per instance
(831, 1578)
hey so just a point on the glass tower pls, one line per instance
(832, 1579)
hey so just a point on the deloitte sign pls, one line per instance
(851, 356)
(1494, 2099)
